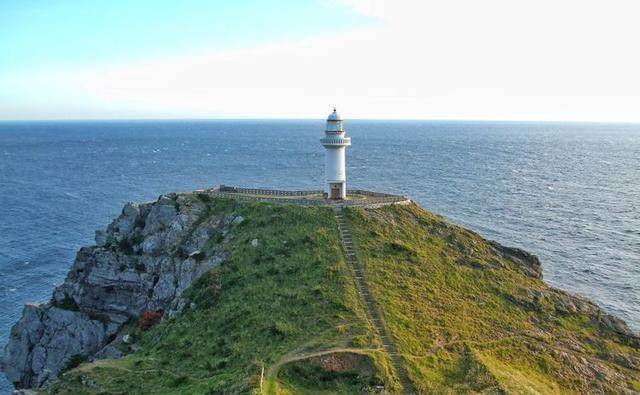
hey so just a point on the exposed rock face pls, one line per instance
(529, 263)
(47, 335)
(564, 303)
(143, 262)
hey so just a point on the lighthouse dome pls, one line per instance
(334, 116)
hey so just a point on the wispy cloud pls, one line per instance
(423, 59)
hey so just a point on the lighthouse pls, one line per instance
(335, 143)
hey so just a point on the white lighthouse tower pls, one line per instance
(335, 143)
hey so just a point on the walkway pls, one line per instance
(373, 311)
(355, 197)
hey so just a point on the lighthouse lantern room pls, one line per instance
(335, 143)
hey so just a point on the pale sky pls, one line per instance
(576, 60)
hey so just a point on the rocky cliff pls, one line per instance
(143, 262)
(261, 298)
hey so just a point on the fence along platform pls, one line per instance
(355, 197)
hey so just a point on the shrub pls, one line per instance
(74, 362)
(150, 318)
(68, 303)
(125, 246)
(137, 239)
(140, 222)
(179, 381)
(217, 238)
(204, 198)
(280, 329)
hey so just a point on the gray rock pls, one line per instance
(109, 351)
(527, 262)
(568, 304)
(110, 284)
(101, 238)
(160, 217)
(254, 243)
(126, 222)
(153, 244)
(24, 392)
(45, 339)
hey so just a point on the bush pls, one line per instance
(150, 318)
(179, 381)
(68, 303)
(125, 246)
(140, 222)
(217, 238)
(204, 198)
(280, 329)
(398, 247)
(74, 362)
(137, 239)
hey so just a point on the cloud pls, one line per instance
(424, 59)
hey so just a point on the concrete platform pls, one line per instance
(355, 197)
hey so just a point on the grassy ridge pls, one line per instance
(465, 317)
(468, 319)
(290, 292)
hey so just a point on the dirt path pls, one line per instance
(113, 364)
(272, 373)
(292, 357)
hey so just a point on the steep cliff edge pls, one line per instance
(260, 298)
(143, 262)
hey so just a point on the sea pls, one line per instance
(567, 192)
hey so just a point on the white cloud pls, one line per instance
(489, 59)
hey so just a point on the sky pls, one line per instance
(543, 60)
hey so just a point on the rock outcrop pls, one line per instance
(143, 262)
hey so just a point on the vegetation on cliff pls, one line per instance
(469, 315)
(285, 291)
(282, 315)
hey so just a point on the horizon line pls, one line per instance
(315, 119)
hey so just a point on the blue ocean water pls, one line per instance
(569, 193)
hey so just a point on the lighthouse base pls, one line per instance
(337, 190)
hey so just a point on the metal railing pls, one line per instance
(261, 191)
(335, 140)
(299, 197)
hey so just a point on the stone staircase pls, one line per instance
(373, 311)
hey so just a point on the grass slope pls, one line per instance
(468, 319)
(290, 294)
(465, 317)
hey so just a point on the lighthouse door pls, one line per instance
(335, 191)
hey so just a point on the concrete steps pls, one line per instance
(369, 302)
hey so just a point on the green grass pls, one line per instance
(292, 291)
(464, 318)
(309, 376)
